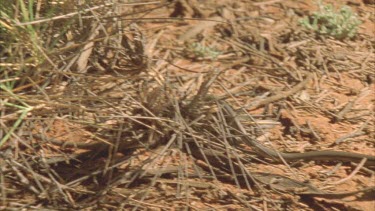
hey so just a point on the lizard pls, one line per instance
(278, 156)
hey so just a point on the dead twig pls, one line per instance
(280, 95)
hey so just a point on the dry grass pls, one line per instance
(141, 128)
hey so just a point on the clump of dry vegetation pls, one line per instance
(161, 105)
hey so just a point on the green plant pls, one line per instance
(22, 112)
(327, 21)
(200, 50)
(20, 51)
